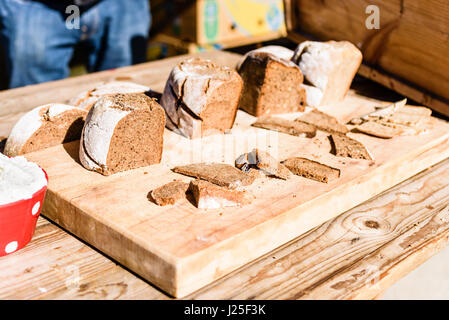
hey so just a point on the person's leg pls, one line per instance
(117, 31)
(36, 41)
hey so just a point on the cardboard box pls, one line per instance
(229, 22)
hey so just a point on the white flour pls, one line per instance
(19, 179)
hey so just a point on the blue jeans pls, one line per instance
(38, 45)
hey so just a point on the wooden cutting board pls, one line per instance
(181, 248)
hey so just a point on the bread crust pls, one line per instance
(328, 66)
(122, 132)
(45, 126)
(272, 82)
(201, 98)
(86, 99)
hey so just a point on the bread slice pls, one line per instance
(409, 116)
(377, 129)
(272, 82)
(405, 130)
(328, 66)
(258, 159)
(170, 193)
(210, 196)
(45, 126)
(312, 169)
(347, 147)
(294, 128)
(85, 100)
(220, 174)
(122, 132)
(323, 121)
(201, 98)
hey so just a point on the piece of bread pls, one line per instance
(294, 128)
(345, 146)
(220, 174)
(312, 169)
(327, 66)
(323, 121)
(272, 82)
(44, 127)
(210, 196)
(170, 193)
(122, 132)
(201, 98)
(263, 161)
(409, 116)
(377, 129)
(85, 100)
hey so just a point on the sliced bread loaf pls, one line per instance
(201, 98)
(122, 132)
(44, 127)
(327, 66)
(85, 100)
(272, 82)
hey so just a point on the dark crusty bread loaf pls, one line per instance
(329, 67)
(272, 82)
(122, 132)
(201, 98)
(44, 127)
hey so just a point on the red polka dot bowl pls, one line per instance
(18, 221)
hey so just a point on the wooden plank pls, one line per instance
(180, 248)
(410, 44)
(356, 255)
(56, 265)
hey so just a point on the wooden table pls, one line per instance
(356, 255)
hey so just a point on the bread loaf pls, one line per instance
(329, 67)
(87, 99)
(272, 83)
(45, 126)
(201, 98)
(122, 132)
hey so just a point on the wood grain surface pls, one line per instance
(180, 248)
(73, 270)
(347, 257)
